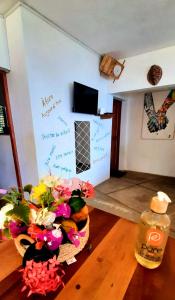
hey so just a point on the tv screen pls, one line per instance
(85, 99)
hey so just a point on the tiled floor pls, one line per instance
(129, 195)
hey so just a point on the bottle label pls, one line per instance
(154, 237)
(152, 248)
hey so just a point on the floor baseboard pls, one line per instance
(118, 173)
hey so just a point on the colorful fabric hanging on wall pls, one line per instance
(157, 120)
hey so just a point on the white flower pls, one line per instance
(57, 233)
(33, 215)
(57, 226)
(49, 218)
(45, 217)
(3, 216)
(51, 180)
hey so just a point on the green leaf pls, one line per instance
(27, 188)
(13, 196)
(52, 208)
(76, 193)
(6, 232)
(76, 203)
(7, 198)
(20, 212)
(46, 199)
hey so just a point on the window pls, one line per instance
(82, 145)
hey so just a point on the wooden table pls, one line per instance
(105, 269)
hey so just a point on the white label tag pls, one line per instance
(71, 260)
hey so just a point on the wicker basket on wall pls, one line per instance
(67, 251)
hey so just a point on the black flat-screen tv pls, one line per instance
(85, 99)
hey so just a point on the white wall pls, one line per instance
(4, 54)
(20, 100)
(50, 62)
(7, 168)
(134, 76)
(145, 155)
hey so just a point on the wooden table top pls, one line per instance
(105, 269)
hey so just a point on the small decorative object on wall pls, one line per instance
(154, 121)
(154, 75)
(111, 67)
(49, 228)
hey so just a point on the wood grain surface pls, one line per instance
(10, 283)
(157, 284)
(10, 260)
(105, 270)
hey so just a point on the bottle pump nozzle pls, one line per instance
(159, 203)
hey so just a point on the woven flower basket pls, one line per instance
(67, 251)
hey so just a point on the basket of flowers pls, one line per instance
(48, 222)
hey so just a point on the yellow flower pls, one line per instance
(38, 190)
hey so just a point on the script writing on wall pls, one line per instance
(58, 150)
(50, 155)
(63, 155)
(55, 134)
(98, 125)
(99, 139)
(102, 137)
(48, 105)
(62, 169)
(100, 158)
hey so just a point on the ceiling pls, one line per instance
(120, 27)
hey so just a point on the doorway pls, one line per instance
(115, 140)
(10, 171)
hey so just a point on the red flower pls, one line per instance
(34, 230)
(87, 190)
(42, 278)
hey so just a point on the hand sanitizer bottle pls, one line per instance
(153, 232)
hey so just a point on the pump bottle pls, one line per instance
(153, 232)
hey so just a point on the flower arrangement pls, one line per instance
(52, 214)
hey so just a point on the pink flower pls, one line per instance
(72, 184)
(74, 236)
(61, 193)
(76, 184)
(63, 210)
(16, 229)
(3, 192)
(87, 190)
(42, 277)
(52, 238)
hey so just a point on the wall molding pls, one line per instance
(50, 22)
